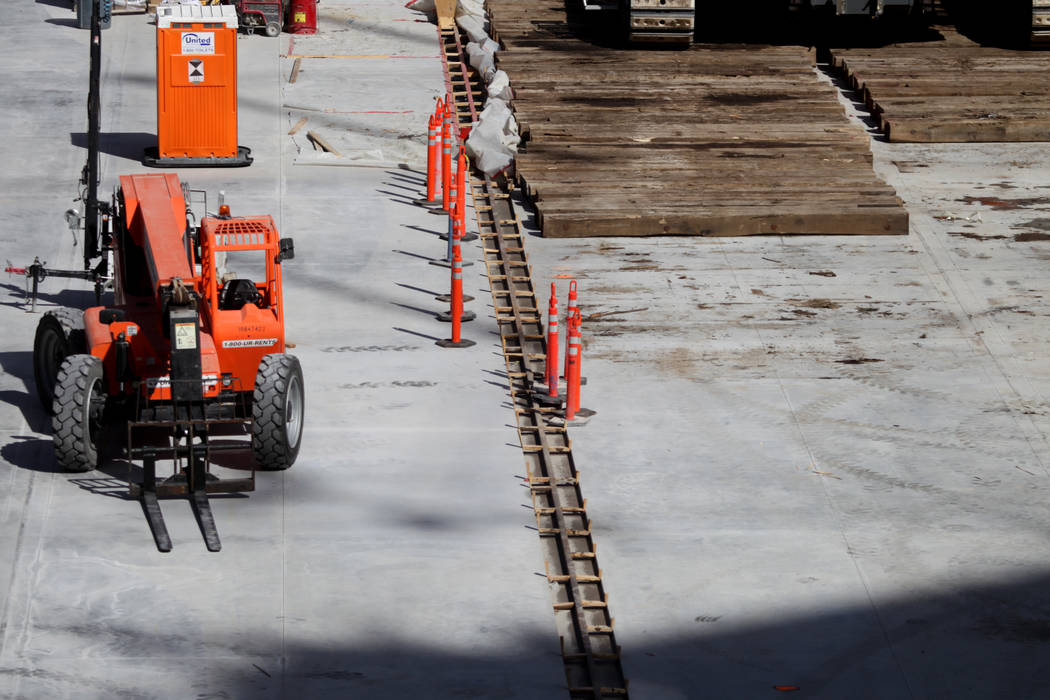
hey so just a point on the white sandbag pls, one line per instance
(499, 86)
(481, 60)
(470, 7)
(493, 140)
(474, 27)
(427, 7)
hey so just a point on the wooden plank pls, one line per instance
(724, 222)
(446, 13)
(319, 141)
(922, 130)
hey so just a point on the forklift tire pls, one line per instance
(80, 403)
(273, 28)
(59, 334)
(277, 412)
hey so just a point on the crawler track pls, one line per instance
(580, 603)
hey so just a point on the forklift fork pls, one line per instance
(194, 482)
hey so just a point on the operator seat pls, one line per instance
(238, 292)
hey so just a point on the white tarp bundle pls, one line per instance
(494, 138)
(424, 6)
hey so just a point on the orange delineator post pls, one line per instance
(433, 160)
(457, 293)
(570, 310)
(577, 372)
(552, 344)
(197, 87)
(572, 369)
(446, 166)
(460, 190)
(456, 314)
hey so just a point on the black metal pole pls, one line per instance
(90, 175)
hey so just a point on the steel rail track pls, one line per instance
(584, 622)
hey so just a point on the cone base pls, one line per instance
(464, 317)
(465, 238)
(545, 399)
(449, 343)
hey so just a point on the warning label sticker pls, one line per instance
(196, 69)
(185, 336)
(199, 43)
(250, 343)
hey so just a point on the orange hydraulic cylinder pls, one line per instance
(197, 82)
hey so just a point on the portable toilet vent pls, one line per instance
(197, 88)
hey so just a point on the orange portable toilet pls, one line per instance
(197, 88)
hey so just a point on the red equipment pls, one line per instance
(302, 17)
(256, 14)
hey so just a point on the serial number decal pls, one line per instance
(250, 343)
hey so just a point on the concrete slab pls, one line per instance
(815, 462)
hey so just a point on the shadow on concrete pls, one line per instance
(965, 642)
(63, 22)
(1005, 24)
(428, 312)
(70, 298)
(31, 453)
(128, 145)
(63, 4)
(416, 333)
(863, 113)
(20, 365)
(418, 289)
(419, 180)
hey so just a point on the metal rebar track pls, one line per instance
(584, 622)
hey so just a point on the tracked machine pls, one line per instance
(188, 362)
(675, 22)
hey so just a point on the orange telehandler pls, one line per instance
(191, 348)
